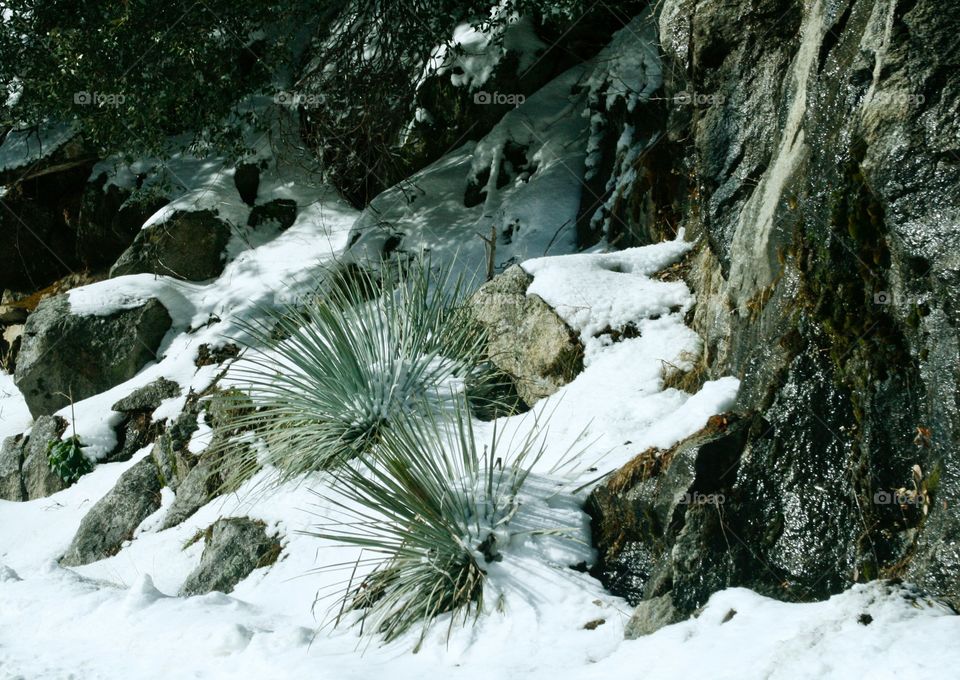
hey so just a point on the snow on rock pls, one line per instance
(24, 146)
(14, 414)
(598, 291)
(526, 175)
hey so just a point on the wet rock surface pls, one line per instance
(823, 191)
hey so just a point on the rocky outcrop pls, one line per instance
(812, 157)
(66, 355)
(233, 548)
(246, 178)
(186, 245)
(114, 518)
(24, 466)
(525, 337)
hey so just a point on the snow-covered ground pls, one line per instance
(119, 618)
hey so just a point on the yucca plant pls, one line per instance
(433, 508)
(328, 377)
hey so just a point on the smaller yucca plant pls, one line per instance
(67, 460)
(327, 378)
(434, 510)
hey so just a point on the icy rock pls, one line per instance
(526, 338)
(82, 355)
(187, 245)
(113, 519)
(234, 547)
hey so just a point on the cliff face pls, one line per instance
(813, 150)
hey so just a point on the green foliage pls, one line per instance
(133, 73)
(434, 509)
(66, 459)
(351, 362)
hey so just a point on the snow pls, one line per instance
(14, 414)
(24, 146)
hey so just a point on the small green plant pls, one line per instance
(65, 456)
(67, 460)
(435, 511)
(328, 377)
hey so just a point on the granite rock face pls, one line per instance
(114, 518)
(810, 151)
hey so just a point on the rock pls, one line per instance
(11, 314)
(214, 356)
(526, 338)
(37, 222)
(642, 512)
(24, 462)
(114, 518)
(11, 460)
(234, 548)
(170, 453)
(38, 480)
(82, 355)
(247, 180)
(217, 469)
(650, 616)
(187, 245)
(201, 484)
(148, 397)
(10, 343)
(281, 212)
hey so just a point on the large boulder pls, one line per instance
(234, 547)
(114, 518)
(525, 337)
(24, 462)
(66, 355)
(187, 245)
